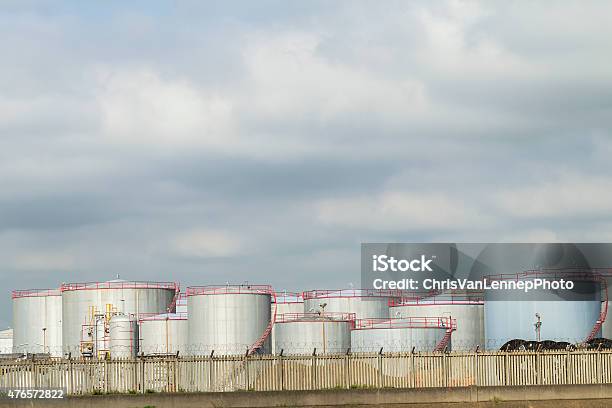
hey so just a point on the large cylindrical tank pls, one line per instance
(303, 333)
(364, 303)
(6, 341)
(542, 315)
(398, 335)
(229, 320)
(164, 334)
(37, 321)
(564, 315)
(466, 308)
(123, 336)
(81, 301)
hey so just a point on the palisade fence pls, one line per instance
(270, 373)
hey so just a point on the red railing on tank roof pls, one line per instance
(588, 274)
(289, 297)
(444, 298)
(230, 289)
(348, 293)
(407, 323)
(315, 317)
(35, 293)
(162, 316)
(120, 285)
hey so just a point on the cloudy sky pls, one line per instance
(208, 143)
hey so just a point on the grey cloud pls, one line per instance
(303, 103)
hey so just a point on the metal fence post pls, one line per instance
(313, 371)
(176, 374)
(142, 375)
(246, 372)
(210, 373)
(280, 372)
(380, 369)
(347, 375)
(106, 376)
(506, 370)
(477, 366)
(70, 377)
(412, 370)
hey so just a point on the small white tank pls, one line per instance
(164, 334)
(303, 333)
(467, 308)
(399, 335)
(123, 336)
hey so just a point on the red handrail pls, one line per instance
(407, 323)
(444, 298)
(119, 285)
(350, 293)
(315, 317)
(230, 289)
(34, 293)
(161, 317)
(289, 297)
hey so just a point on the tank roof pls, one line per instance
(119, 284)
(35, 293)
(6, 334)
(230, 289)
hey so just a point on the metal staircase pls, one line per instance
(260, 342)
(445, 340)
(172, 306)
(603, 314)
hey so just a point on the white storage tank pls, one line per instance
(465, 307)
(229, 320)
(541, 314)
(364, 303)
(123, 335)
(164, 334)
(424, 334)
(37, 321)
(285, 302)
(303, 333)
(85, 303)
(6, 341)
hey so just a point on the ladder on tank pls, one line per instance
(603, 314)
(441, 346)
(260, 342)
(445, 340)
(236, 374)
